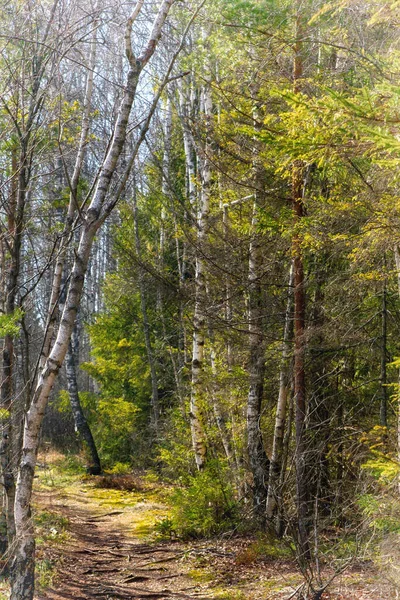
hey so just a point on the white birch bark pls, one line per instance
(258, 459)
(186, 103)
(280, 418)
(22, 585)
(199, 318)
(72, 206)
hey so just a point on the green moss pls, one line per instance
(200, 575)
(230, 595)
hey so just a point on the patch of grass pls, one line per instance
(200, 575)
(127, 483)
(45, 570)
(230, 595)
(114, 498)
(263, 548)
(56, 471)
(145, 518)
(50, 527)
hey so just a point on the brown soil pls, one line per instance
(102, 558)
(99, 561)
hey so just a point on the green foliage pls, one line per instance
(120, 468)
(382, 513)
(382, 465)
(9, 323)
(175, 453)
(118, 414)
(164, 528)
(44, 572)
(383, 468)
(206, 506)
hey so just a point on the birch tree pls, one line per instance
(92, 217)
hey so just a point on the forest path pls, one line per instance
(97, 543)
(105, 554)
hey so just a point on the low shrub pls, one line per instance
(206, 506)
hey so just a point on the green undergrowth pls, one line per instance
(57, 472)
(51, 530)
(205, 506)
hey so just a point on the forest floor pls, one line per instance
(100, 543)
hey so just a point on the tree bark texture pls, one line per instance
(259, 462)
(273, 498)
(200, 314)
(22, 584)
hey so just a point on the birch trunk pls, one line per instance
(259, 462)
(186, 109)
(274, 498)
(199, 319)
(22, 583)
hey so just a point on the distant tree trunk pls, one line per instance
(199, 318)
(340, 461)
(15, 221)
(299, 373)
(155, 407)
(319, 421)
(298, 191)
(384, 390)
(218, 413)
(81, 424)
(284, 389)
(280, 517)
(259, 462)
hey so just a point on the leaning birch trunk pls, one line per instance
(259, 462)
(273, 498)
(53, 310)
(199, 318)
(23, 566)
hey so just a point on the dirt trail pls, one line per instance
(100, 561)
(107, 553)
